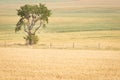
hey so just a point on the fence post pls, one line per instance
(99, 45)
(5, 43)
(50, 45)
(73, 45)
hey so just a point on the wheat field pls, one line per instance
(54, 64)
(92, 25)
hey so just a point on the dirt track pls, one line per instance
(53, 64)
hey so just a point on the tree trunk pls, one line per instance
(30, 39)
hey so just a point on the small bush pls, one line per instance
(31, 39)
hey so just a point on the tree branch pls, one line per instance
(25, 29)
(35, 18)
(32, 22)
(38, 27)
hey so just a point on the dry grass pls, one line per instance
(48, 64)
(69, 20)
(8, 19)
(83, 40)
(59, 20)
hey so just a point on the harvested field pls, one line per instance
(54, 64)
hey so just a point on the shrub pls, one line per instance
(32, 39)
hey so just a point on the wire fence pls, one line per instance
(54, 45)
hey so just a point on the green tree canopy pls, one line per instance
(30, 15)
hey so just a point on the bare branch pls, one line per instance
(34, 20)
(25, 29)
(20, 21)
(37, 19)
(38, 27)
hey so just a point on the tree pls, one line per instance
(32, 18)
